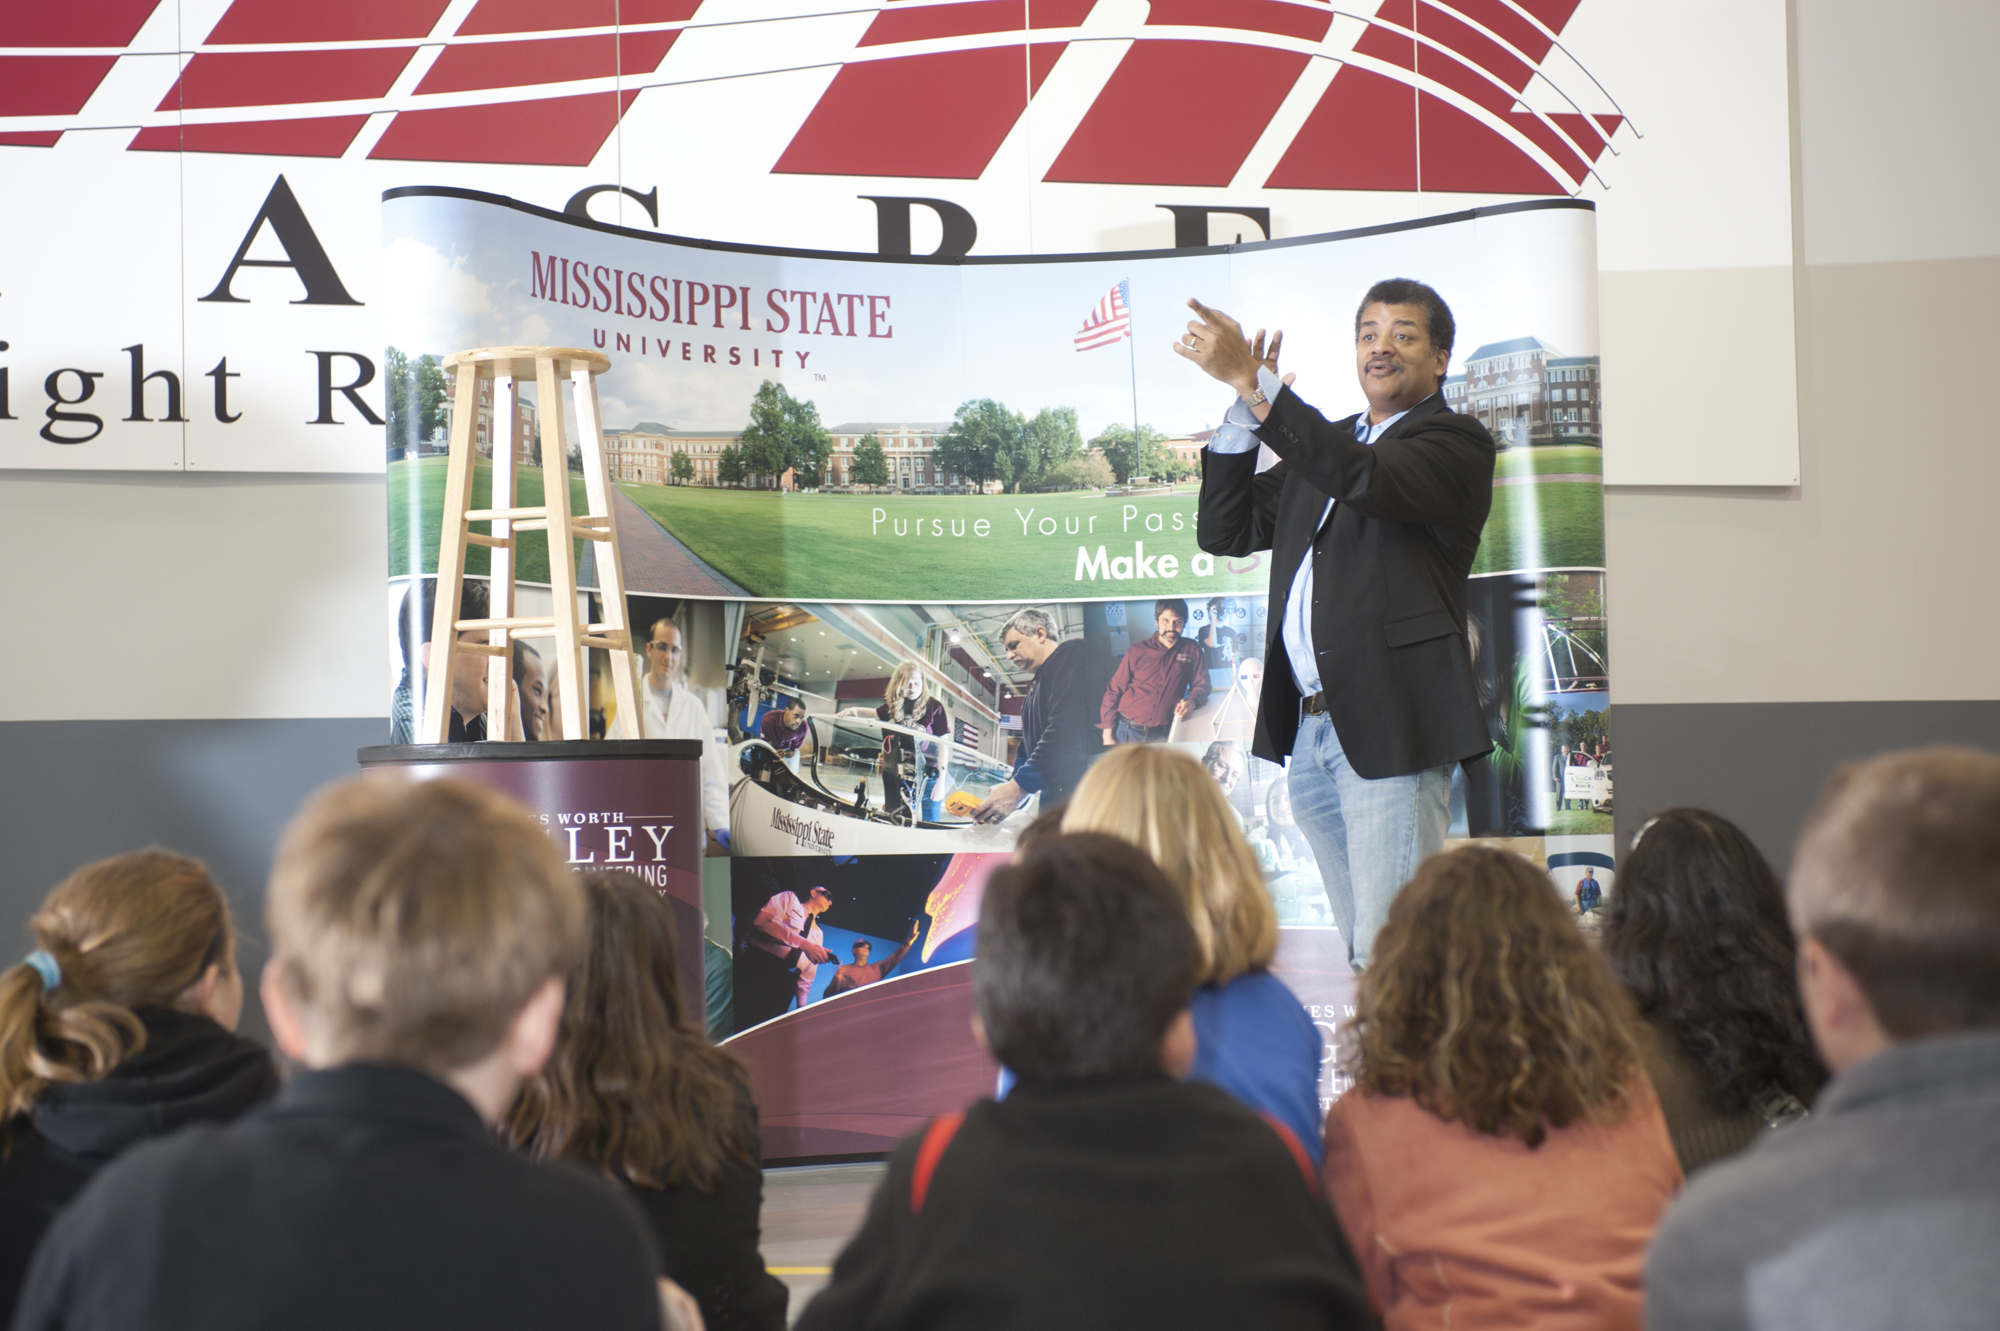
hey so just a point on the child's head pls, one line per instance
(411, 921)
(1162, 801)
(634, 1088)
(1483, 1003)
(1086, 961)
(145, 930)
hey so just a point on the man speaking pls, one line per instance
(1373, 523)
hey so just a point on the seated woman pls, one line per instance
(636, 1092)
(1252, 1037)
(116, 1028)
(1501, 1159)
(1695, 929)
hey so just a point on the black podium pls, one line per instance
(627, 805)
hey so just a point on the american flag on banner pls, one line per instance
(1110, 322)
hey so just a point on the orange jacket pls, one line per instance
(1455, 1228)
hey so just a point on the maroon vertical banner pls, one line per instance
(632, 806)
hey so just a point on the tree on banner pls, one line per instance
(871, 464)
(784, 434)
(415, 397)
(1052, 439)
(1138, 453)
(729, 466)
(984, 444)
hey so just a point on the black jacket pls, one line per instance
(1389, 576)
(1059, 734)
(709, 1242)
(189, 1071)
(364, 1196)
(1142, 1203)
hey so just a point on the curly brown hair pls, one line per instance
(1483, 1003)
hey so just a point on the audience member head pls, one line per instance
(1086, 964)
(1048, 825)
(423, 923)
(1162, 801)
(1483, 1003)
(1895, 896)
(1696, 932)
(145, 930)
(633, 1088)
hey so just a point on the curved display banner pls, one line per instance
(843, 479)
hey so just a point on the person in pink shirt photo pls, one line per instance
(779, 956)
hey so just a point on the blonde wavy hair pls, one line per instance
(893, 695)
(1483, 1003)
(1167, 804)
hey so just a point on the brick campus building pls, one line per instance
(645, 452)
(1527, 392)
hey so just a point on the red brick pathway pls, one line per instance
(656, 562)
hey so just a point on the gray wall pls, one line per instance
(76, 791)
(1759, 636)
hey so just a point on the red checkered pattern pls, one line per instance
(1431, 97)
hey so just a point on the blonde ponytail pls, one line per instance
(125, 933)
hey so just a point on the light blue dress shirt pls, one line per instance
(1234, 436)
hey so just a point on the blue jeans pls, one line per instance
(1368, 836)
(1129, 732)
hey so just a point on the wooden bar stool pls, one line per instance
(547, 368)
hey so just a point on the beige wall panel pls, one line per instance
(1698, 368)
(133, 595)
(1875, 577)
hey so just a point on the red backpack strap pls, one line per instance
(936, 1138)
(1292, 1144)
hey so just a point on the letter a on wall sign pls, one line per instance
(304, 254)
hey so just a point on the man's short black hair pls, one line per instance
(1173, 603)
(522, 651)
(413, 624)
(1404, 291)
(1086, 956)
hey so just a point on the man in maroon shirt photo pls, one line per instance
(1160, 679)
(784, 728)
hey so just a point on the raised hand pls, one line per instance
(1216, 343)
(1269, 359)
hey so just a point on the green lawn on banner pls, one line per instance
(424, 477)
(1555, 460)
(831, 547)
(1569, 516)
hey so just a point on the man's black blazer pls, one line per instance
(1388, 619)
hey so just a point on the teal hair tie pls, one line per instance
(45, 966)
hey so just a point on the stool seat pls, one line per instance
(550, 368)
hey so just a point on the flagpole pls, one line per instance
(1132, 359)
